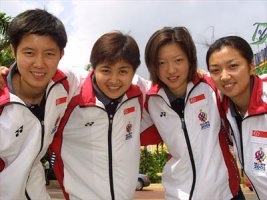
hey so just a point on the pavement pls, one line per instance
(153, 192)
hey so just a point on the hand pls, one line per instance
(3, 72)
(201, 72)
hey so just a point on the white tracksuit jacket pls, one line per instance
(251, 144)
(24, 139)
(94, 158)
(201, 166)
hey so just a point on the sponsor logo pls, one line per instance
(89, 124)
(162, 114)
(19, 131)
(203, 117)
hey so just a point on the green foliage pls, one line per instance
(6, 56)
(88, 67)
(261, 70)
(152, 163)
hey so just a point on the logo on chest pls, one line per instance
(260, 157)
(129, 131)
(203, 118)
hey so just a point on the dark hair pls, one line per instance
(235, 42)
(164, 36)
(114, 46)
(38, 22)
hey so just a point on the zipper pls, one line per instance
(191, 157)
(110, 158)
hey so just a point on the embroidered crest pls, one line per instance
(203, 117)
(129, 131)
(260, 157)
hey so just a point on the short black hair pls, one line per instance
(38, 22)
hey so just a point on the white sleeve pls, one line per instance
(75, 77)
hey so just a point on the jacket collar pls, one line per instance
(256, 104)
(88, 96)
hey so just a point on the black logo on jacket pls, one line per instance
(19, 131)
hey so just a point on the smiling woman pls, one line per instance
(230, 61)
(186, 111)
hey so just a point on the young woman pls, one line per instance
(97, 148)
(230, 63)
(32, 103)
(185, 110)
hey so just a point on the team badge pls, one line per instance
(260, 157)
(203, 118)
(129, 131)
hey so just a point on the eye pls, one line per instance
(215, 71)
(105, 71)
(28, 53)
(50, 53)
(178, 60)
(233, 66)
(123, 72)
(161, 62)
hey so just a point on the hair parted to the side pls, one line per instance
(235, 42)
(115, 46)
(164, 36)
(38, 22)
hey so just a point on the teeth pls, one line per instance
(173, 78)
(38, 74)
(229, 85)
(114, 87)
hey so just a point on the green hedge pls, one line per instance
(152, 164)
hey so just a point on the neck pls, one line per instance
(241, 104)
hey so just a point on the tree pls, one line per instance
(6, 56)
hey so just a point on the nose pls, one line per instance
(225, 75)
(113, 78)
(171, 68)
(38, 61)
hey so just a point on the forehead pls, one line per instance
(38, 41)
(115, 64)
(226, 53)
(170, 49)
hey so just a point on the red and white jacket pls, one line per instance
(95, 158)
(201, 166)
(251, 144)
(24, 139)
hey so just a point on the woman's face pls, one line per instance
(231, 72)
(173, 68)
(37, 59)
(114, 79)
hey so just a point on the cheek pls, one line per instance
(215, 80)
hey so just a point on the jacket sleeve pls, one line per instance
(75, 78)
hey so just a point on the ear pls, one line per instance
(252, 68)
(62, 53)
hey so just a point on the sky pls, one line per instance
(86, 20)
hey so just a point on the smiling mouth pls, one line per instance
(113, 87)
(174, 78)
(38, 74)
(228, 86)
